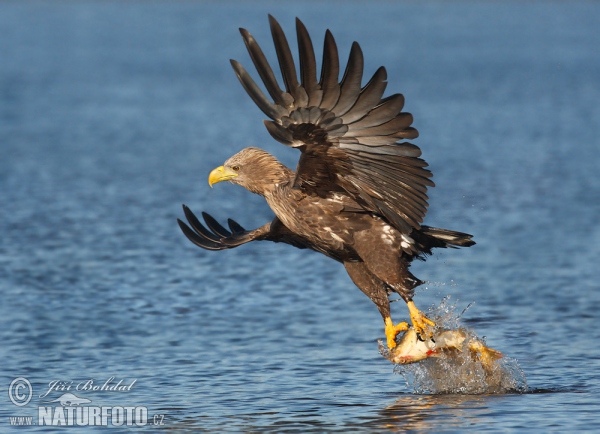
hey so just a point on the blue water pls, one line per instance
(113, 113)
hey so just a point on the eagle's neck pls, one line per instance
(273, 177)
(283, 200)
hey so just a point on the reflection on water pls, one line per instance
(425, 413)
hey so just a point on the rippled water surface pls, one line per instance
(111, 116)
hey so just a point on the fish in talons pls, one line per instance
(414, 347)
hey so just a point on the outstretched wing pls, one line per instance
(213, 236)
(349, 135)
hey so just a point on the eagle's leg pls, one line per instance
(382, 261)
(405, 284)
(377, 290)
(419, 321)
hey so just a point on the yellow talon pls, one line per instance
(392, 330)
(419, 321)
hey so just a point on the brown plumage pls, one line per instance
(359, 193)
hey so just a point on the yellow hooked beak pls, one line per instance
(219, 174)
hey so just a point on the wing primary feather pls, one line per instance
(286, 64)
(215, 226)
(271, 110)
(350, 85)
(308, 66)
(385, 111)
(265, 71)
(235, 227)
(197, 240)
(199, 227)
(407, 133)
(394, 126)
(369, 96)
(330, 73)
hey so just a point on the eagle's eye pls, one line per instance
(236, 168)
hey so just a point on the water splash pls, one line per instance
(460, 372)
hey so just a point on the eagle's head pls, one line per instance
(254, 169)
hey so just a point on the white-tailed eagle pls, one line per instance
(359, 192)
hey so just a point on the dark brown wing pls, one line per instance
(213, 236)
(348, 135)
